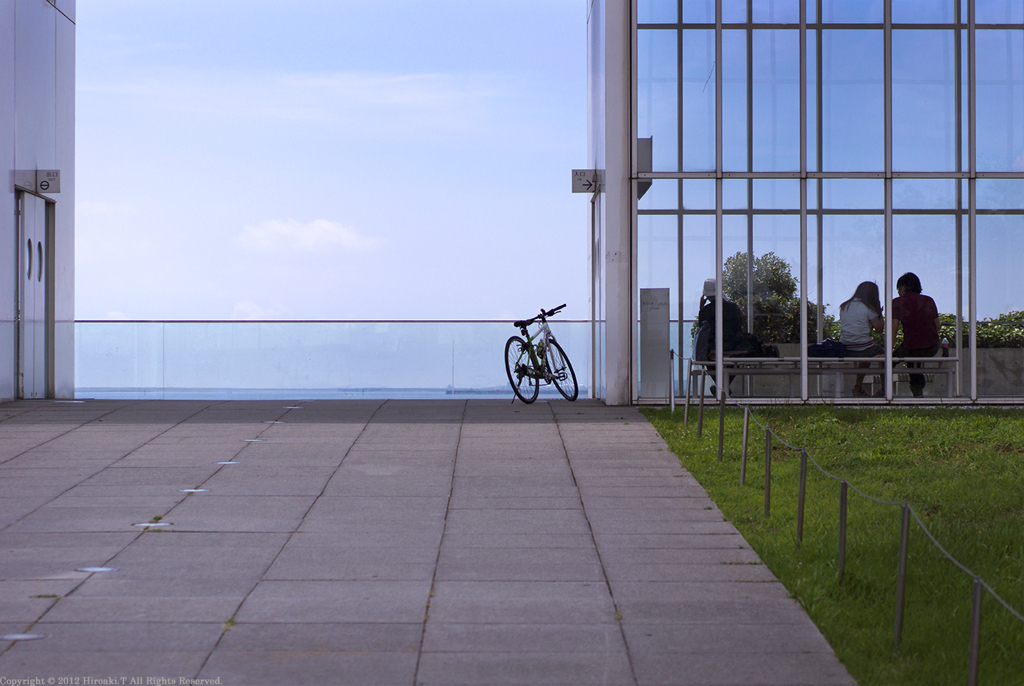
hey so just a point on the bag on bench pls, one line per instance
(826, 348)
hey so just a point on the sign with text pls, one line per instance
(48, 181)
(587, 180)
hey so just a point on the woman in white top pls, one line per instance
(858, 317)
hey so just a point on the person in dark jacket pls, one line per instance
(919, 318)
(732, 318)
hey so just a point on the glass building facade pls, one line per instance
(793, 149)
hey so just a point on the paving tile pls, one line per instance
(524, 669)
(357, 521)
(277, 668)
(521, 602)
(27, 664)
(336, 601)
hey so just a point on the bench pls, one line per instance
(816, 366)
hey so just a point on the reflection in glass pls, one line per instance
(1001, 194)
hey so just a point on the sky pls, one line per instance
(330, 159)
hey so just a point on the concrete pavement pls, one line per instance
(376, 542)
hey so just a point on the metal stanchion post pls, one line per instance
(901, 572)
(721, 426)
(972, 667)
(841, 563)
(672, 380)
(801, 499)
(700, 405)
(767, 472)
(743, 454)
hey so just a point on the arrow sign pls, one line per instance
(587, 180)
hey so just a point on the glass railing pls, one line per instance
(306, 359)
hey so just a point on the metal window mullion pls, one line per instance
(719, 343)
(679, 182)
(819, 142)
(887, 81)
(972, 200)
(750, 165)
(634, 229)
(803, 206)
(959, 220)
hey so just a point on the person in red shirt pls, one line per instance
(919, 318)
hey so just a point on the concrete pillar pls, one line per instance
(619, 315)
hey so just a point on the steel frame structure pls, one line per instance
(964, 30)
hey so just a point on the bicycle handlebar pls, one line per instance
(543, 315)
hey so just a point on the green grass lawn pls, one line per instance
(962, 470)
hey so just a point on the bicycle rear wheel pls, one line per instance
(520, 370)
(561, 372)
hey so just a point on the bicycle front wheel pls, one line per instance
(520, 370)
(561, 372)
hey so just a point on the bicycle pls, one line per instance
(527, 364)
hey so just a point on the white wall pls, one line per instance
(37, 131)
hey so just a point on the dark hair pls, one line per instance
(909, 282)
(867, 293)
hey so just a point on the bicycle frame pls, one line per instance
(539, 360)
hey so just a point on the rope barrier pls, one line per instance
(920, 523)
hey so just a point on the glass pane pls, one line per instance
(734, 100)
(1000, 194)
(657, 96)
(656, 11)
(698, 261)
(777, 194)
(698, 100)
(852, 11)
(926, 246)
(853, 194)
(924, 194)
(923, 11)
(998, 12)
(776, 288)
(777, 12)
(733, 12)
(699, 11)
(658, 255)
(698, 194)
(923, 101)
(663, 194)
(1000, 305)
(1000, 106)
(735, 194)
(853, 136)
(776, 59)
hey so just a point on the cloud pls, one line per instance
(1018, 164)
(291, 235)
(365, 102)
